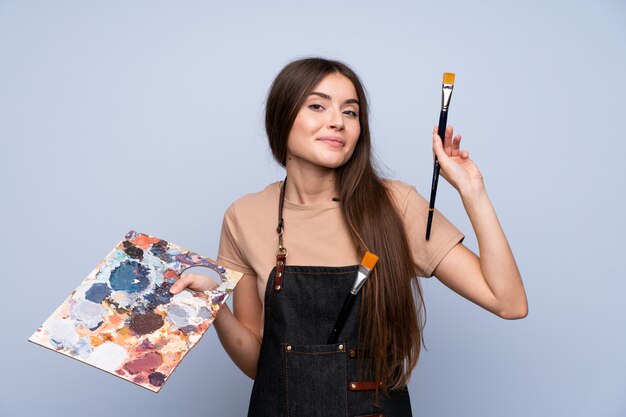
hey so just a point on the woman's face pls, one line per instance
(327, 127)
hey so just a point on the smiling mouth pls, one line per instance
(332, 141)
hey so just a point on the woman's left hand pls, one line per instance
(456, 166)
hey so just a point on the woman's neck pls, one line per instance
(310, 185)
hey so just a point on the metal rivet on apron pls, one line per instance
(288, 347)
(277, 288)
(353, 386)
(340, 347)
(280, 274)
(351, 353)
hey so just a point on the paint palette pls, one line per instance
(123, 319)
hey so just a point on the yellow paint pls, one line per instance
(96, 341)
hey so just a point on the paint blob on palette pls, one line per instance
(123, 319)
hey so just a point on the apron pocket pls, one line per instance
(315, 380)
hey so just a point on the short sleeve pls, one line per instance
(443, 237)
(230, 253)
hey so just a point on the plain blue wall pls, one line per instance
(147, 115)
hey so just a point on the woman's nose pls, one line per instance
(335, 119)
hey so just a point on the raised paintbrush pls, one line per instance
(446, 94)
(367, 264)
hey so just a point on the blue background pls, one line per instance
(148, 115)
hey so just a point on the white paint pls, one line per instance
(62, 331)
(108, 356)
(88, 313)
(121, 298)
(181, 297)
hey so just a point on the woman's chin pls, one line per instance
(323, 161)
(330, 164)
(331, 160)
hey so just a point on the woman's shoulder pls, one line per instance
(403, 193)
(397, 186)
(257, 202)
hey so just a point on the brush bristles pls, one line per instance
(448, 78)
(369, 260)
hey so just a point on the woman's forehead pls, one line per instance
(335, 86)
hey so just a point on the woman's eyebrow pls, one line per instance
(327, 97)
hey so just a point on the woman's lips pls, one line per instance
(335, 142)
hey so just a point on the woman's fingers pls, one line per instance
(447, 141)
(181, 283)
(456, 143)
(451, 143)
(194, 282)
(438, 149)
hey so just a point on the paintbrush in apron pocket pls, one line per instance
(367, 264)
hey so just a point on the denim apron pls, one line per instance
(298, 374)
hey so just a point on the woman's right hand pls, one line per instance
(239, 333)
(195, 282)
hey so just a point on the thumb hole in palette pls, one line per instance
(206, 278)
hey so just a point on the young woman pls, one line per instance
(299, 242)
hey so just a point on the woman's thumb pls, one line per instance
(438, 147)
(179, 285)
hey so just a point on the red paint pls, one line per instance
(144, 241)
(170, 273)
(140, 379)
(145, 323)
(150, 360)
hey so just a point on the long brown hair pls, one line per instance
(392, 311)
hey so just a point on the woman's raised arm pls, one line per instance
(491, 280)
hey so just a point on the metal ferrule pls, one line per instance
(361, 277)
(446, 94)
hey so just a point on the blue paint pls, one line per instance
(204, 312)
(98, 292)
(184, 258)
(188, 329)
(220, 297)
(160, 295)
(177, 316)
(147, 345)
(130, 276)
(156, 378)
(160, 250)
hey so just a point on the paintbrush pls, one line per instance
(367, 264)
(446, 94)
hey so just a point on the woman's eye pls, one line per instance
(351, 113)
(315, 106)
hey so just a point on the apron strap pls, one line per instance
(281, 203)
(281, 252)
